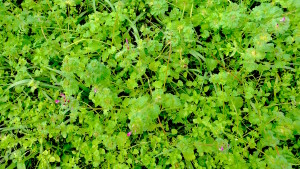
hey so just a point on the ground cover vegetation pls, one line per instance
(149, 84)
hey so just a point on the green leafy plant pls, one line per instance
(149, 84)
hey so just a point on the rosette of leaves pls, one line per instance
(233, 16)
(251, 57)
(157, 7)
(103, 97)
(180, 32)
(142, 114)
(96, 74)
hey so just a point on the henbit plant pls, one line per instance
(149, 84)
